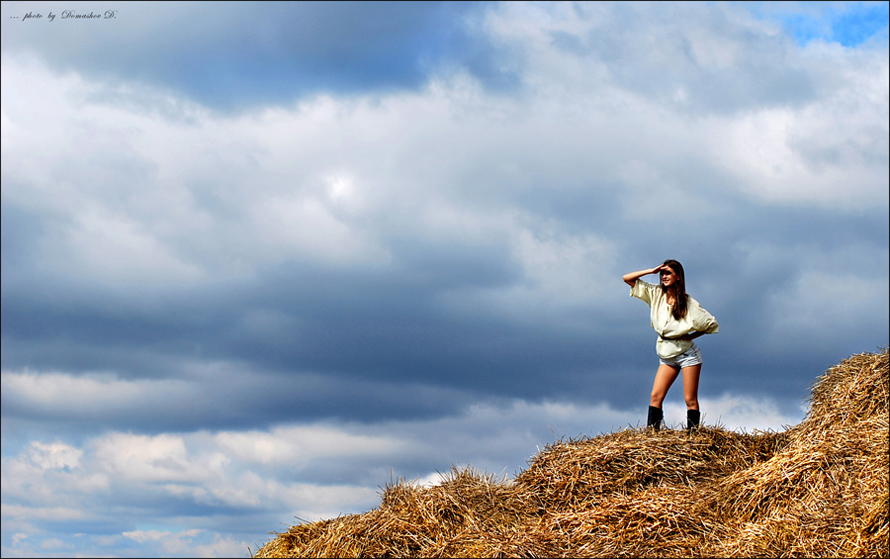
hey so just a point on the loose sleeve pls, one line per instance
(642, 291)
(703, 321)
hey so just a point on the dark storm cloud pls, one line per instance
(235, 56)
(303, 341)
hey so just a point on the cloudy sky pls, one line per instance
(261, 260)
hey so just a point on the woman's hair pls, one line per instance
(677, 289)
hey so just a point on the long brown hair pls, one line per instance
(677, 290)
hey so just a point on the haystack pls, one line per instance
(817, 489)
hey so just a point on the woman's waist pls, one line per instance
(674, 337)
(669, 348)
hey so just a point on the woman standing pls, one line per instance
(678, 319)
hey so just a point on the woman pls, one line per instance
(678, 319)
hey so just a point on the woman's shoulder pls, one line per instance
(650, 288)
(644, 290)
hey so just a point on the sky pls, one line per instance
(260, 261)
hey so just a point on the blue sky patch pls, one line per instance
(847, 23)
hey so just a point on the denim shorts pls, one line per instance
(688, 358)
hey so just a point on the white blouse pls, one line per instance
(697, 319)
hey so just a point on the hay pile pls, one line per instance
(817, 489)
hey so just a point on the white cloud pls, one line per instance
(54, 455)
(298, 445)
(736, 413)
(429, 480)
(828, 147)
(187, 543)
(66, 394)
(144, 458)
(142, 536)
(221, 546)
(42, 467)
(824, 154)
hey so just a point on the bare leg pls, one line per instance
(690, 386)
(664, 378)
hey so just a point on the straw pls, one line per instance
(817, 489)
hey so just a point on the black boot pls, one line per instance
(655, 417)
(693, 418)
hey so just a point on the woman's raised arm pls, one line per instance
(631, 278)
